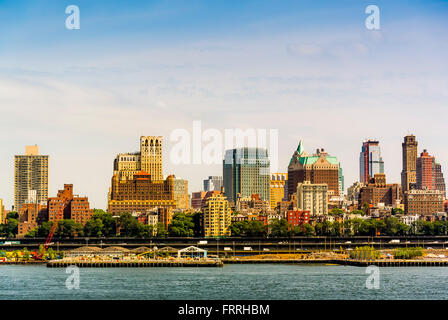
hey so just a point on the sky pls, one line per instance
(309, 69)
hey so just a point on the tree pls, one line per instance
(181, 226)
(336, 212)
(280, 228)
(10, 229)
(366, 208)
(161, 230)
(397, 211)
(94, 227)
(306, 229)
(127, 225)
(248, 228)
(145, 231)
(26, 254)
(256, 229)
(391, 226)
(108, 222)
(237, 229)
(12, 215)
(359, 212)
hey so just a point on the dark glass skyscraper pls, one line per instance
(370, 161)
(246, 171)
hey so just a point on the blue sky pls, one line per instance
(308, 68)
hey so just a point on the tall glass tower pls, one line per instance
(370, 161)
(246, 171)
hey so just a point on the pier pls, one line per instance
(346, 262)
(134, 264)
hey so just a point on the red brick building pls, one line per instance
(30, 216)
(298, 217)
(68, 206)
(426, 177)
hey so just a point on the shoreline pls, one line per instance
(229, 261)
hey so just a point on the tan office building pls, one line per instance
(409, 172)
(181, 196)
(149, 160)
(30, 173)
(277, 185)
(216, 215)
(312, 197)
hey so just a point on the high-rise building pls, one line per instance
(353, 192)
(181, 196)
(31, 215)
(216, 216)
(246, 172)
(151, 156)
(66, 205)
(378, 191)
(440, 181)
(317, 169)
(409, 172)
(149, 160)
(197, 198)
(277, 186)
(423, 202)
(370, 161)
(213, 183)
(426, 175)
(140, 194)
(312, 197)
(30, 173)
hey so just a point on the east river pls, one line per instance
(232, 282)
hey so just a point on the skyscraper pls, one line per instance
(151, 156)
(426, 171)
(409, 172)
(213, 183)
(278, 185)
(370, 161)
(149, 160)
(440, 181)
(216, 216)
(30, 173)
(317, 168)
(246, 172)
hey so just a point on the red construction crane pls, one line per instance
(48, 240)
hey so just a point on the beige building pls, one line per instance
(312, 197)
(181, 195)
(216, 215)
(149, 160)
(30, 173)
(277, 186)
(409, 172)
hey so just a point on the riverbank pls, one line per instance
(166, 263)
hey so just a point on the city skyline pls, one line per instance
(196, 178)
(149, 68)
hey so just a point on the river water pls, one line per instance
(232, 282)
